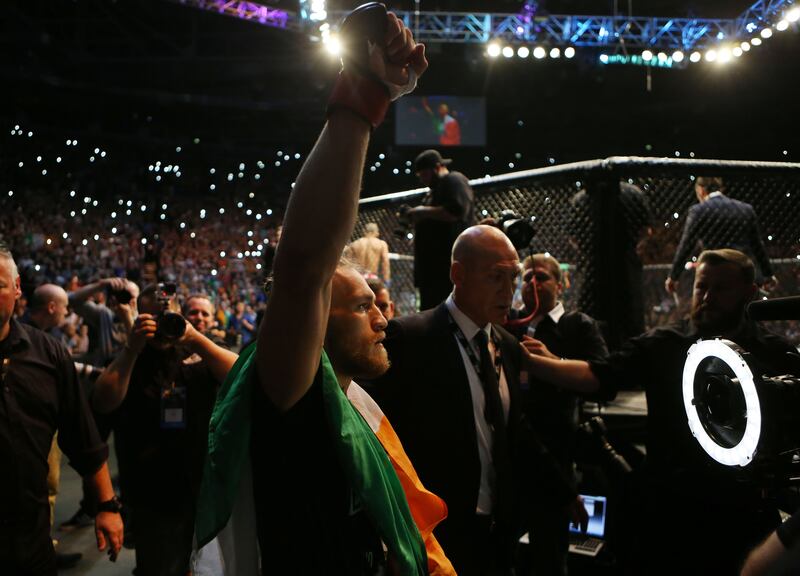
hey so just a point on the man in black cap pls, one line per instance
(446, 211)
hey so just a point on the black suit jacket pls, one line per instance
(722, 222)
(426, 397)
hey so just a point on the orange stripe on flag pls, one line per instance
(426, 508)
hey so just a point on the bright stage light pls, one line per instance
(766, 33)
(493, 50)
(333, 46)
(745, 46)
(569, 52)
(737, 51)
(782, 25)
(677, 56)
(724, 56)
(539, 53)
(793, 15)
(755, 41)
(695, 57)
(604, 58)
(647, 55)
(711, 55)
(662, 56)
(508, 51)
(523, 52)
(555, 53)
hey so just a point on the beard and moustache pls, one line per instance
(367, 361)
(710, 320)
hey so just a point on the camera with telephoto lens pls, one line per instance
(121, 296)
(518, 229)
(169, 325)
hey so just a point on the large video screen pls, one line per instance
(440, 121)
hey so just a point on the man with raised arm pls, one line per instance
(334, 492)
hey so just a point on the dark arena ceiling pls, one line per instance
(155, 72)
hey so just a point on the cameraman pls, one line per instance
(447, 210)
(163, 386)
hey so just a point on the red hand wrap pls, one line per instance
(362, 95)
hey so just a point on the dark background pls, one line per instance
(139, 78)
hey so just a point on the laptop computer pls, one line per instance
(590, 542)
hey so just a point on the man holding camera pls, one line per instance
(709, 514)
(445, 212)
(163, 386)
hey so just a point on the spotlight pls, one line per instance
(782, 25)
(555, 53)
(793, 15)
(569, 52)
(724, 56)
(493, 50)
(755, 41)
(766, 33)
(539, 53)
(333, 46)
(737, 51)
(695, 57)
(508, 51)
(711, 55)
(662, 56)
(745, 46)
(647, 55)
(604, 58)
(677, 56)
(523, 52)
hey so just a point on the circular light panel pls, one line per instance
(741, 454)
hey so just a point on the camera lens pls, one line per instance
(171, 326)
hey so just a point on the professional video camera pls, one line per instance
(170, 326)
(739, 415)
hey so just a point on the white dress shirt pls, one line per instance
(482, 429)
(555, 315)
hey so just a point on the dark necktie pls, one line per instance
(493, 409)
(493, 412)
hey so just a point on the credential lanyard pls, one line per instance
(476, 363)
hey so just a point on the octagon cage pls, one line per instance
(615, 225)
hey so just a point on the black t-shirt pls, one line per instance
(40, 395)
(164, 465)
(309, 522)
(433, 239)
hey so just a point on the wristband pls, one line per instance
(364, 96)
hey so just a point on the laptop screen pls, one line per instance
(596, 508)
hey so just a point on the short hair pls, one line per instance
(710, 183)
(371, 227)
(350, 264)
(376, 285)
(193, 296)
(730, 256)
(545, 260)
(6, 253)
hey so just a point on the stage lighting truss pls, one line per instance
(716, 378)
(665, 35)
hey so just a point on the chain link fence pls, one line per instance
(616, 224)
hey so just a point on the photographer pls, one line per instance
(109, 319)
(163, 386)
(446, 211)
